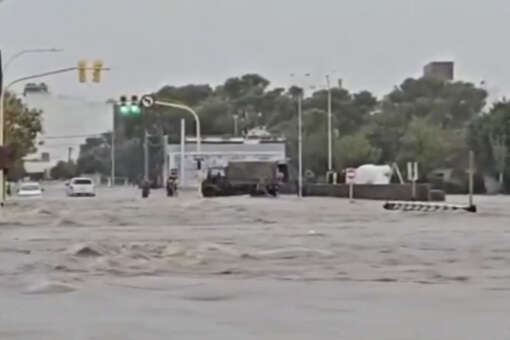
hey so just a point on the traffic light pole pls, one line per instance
(146, 156)
(112, 180)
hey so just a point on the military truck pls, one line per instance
(255, 178)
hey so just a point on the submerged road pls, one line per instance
(119, 267)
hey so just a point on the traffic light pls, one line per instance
(123, 106)
(131, 108)
(82, 71)
(135, 105)
(96, 71)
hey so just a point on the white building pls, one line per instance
(217, 152)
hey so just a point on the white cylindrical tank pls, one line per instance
(373, 174)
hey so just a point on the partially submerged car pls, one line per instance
(30, 189)
(80, 186)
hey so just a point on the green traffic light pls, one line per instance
(135, 109)
(124, 110)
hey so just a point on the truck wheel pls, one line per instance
(273, 192)
(254, 192)
(208, 192)
(145, 193)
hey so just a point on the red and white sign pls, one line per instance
(350, 175)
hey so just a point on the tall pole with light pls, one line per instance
(300, 143)
(300, 97)
(330, 132)
(235, 116)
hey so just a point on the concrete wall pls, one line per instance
(397, 192)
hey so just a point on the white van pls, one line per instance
(80, 186)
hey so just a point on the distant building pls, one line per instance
(440, 70)
(32, 88)
(39, 168)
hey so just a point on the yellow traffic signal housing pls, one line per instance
(82, 71)
(96, 71)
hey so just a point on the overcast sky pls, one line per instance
(371, 44)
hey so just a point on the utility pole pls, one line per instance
(165, 160)
(114, 106)
(2, 179)
(300, 97)
(330, 132)
(471, 178)
(300, 145)
(146, 156)
(69, 154)
(236, 126)
(183, 150)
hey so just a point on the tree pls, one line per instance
(189, 94)
(500, 154)
(21, 128)
(426, 120)
(21, 125)
(215, 117)
(63, 170)
(95, 156)
(489, 137)
(432, 147)
(351, 111)
(448, 105)
(355, 150)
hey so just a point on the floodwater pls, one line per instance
(119, 267)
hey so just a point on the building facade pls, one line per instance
(217, 152)
(440, 70)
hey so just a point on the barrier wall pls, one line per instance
(394, 192)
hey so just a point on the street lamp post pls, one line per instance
(3, 90)
(112, 180)
(330, 132)
(236, 126)
(300, 145)
(300, 137)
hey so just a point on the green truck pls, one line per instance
(256, 178)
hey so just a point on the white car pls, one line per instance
(30, 189)
(80, 186)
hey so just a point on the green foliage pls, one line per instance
(489, 137)
(129, 159)
(432, 147)
(21, 127)
(63, 170)
(448, 105)
(355, 150)
(424, 120)
(95, 156)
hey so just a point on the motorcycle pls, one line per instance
(146, 189)
(171, 187)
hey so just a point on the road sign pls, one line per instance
(148, 101)
(350, 175)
